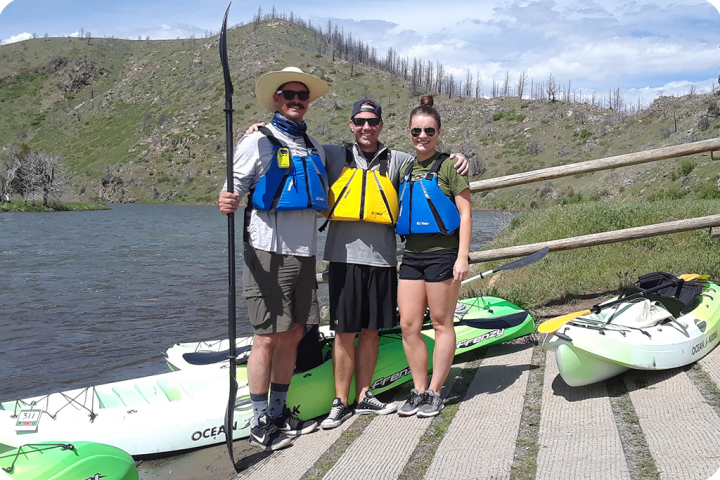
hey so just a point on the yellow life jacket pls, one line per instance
(360, 194)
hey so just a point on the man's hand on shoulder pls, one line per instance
(462, 165)
(254, 128)
(228, 202)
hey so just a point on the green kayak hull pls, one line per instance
(486, 321)
(67, 461)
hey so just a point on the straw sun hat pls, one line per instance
(269, 83)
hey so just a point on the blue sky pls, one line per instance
(644, 47)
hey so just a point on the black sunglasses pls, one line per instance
(359, 122)
(290, 94)
(429, 131)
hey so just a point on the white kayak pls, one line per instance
(198, 355)
(150, 415)
(640, 334)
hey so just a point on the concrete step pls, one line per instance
(578, 434)
(480, 442)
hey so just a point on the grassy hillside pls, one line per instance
(143, 120)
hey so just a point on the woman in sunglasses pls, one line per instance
(436, 221)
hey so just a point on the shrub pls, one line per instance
(704, 123)
(534, 147)
(477, 166)
(708, 192)
(512, 116)
(686, 168)
(673, 193)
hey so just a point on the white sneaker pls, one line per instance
(370, 404)
(339, 412)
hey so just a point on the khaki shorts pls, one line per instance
(280, 290)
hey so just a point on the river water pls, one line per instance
(95, 297)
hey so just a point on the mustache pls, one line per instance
(299, 106)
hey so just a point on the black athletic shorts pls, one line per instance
(431, 267)
(362, 296)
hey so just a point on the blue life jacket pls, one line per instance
(302, 185)
(424, 208)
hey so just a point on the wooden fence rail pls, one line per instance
(596, 165)
(598, 238)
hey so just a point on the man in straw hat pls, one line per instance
(280, 243)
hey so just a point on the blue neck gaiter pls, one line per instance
(289, 127)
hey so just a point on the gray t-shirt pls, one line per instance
(363, 243)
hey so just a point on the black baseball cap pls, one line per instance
(366, 105)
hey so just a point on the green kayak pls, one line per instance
(67, 461)
(479, 322)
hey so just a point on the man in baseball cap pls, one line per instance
(363, 264)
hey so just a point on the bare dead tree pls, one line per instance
(429, 76)
(468, 83)
(450, 86)
(9, 166)
(40, 176)
(506, 84)
(550, 87)
(618, 101)
(522, 80)
(439, 77)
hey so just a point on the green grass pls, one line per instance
(510, 116)
(53, 206)
(562, 276)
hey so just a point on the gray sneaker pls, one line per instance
(432, 405)
(370, 404)
(339, 412)
(412, 405)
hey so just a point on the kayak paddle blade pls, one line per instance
(525, 261)
(552, 325)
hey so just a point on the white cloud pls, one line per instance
(18, 38)
(3, 4)
(596, 44)
(166, 32)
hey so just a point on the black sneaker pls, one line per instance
(266, 436)
(370, 404)
(292, 425)
(339, 412)
(412, 405)
(431, 406)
